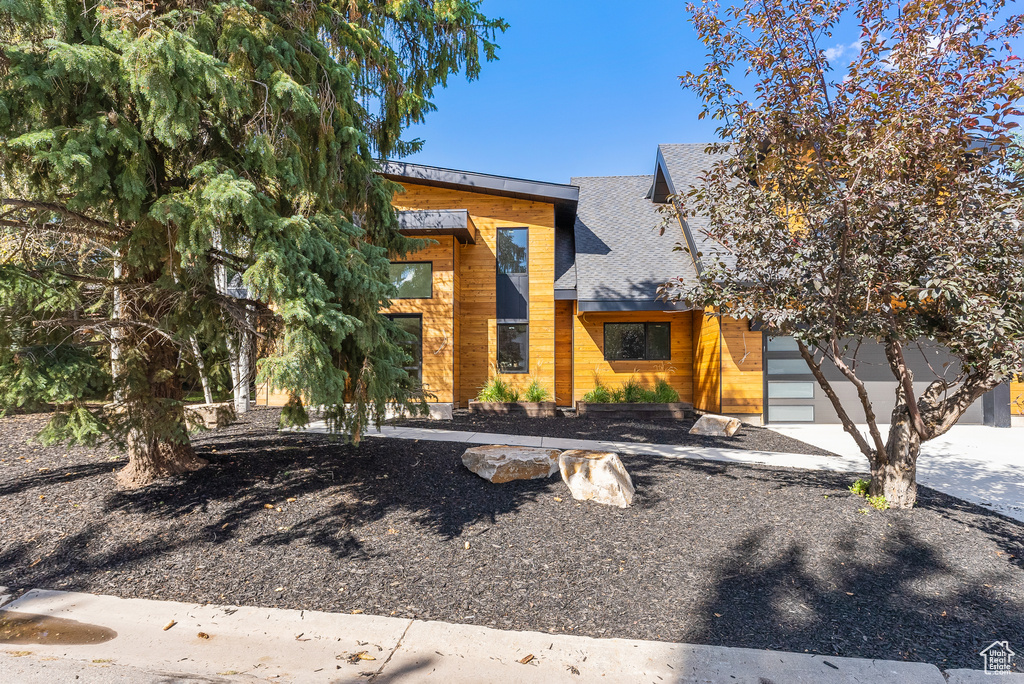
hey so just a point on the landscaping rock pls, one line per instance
(711, 425)
(5, 597)
(597, 476)
(212, 415)
(500, 464)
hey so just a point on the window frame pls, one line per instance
(645, 324)
(418, 317)
(526, 357)
(415, 263)
(497, 247)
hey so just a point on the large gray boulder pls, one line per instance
(597, 476)
(711, 425)
(498, 464)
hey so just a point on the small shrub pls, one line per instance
(633, 392)
(497, 389)
(536, 393)
(664, 394)
(861, 487)
(599, 395)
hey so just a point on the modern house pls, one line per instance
(558, 283)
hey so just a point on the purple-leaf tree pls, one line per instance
(869, 198)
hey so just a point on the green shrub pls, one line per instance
(497, 389)
(861, 487)
(633, 392)
(536, 393)
(664, 394)
(599, 395)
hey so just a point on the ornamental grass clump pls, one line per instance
(497, 390)
(536, 393)
(632, 392)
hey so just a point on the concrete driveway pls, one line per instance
(980, 464)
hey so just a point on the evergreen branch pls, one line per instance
(108, 230)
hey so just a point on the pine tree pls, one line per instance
(145, 144)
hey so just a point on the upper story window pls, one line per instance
(637, 341)
(413, 279)
(512, 250)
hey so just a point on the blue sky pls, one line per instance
(582, 88)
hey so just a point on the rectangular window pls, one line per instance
(782, 344)
(790, 390)
(513, 348)
(412, 324)
(413, 279)
(512, 251)
(637, 341)
(791, 414)
(787, 367)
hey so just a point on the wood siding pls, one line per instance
(477, 326)
(707, 362)
(742, 368)
(438, 314)
(564, 310)
(589, 363)
(1017, 398)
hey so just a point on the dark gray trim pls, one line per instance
(564, 197)
(594, 305)
(996, 407)
(565, 294)
(455, 222)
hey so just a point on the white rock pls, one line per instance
(498, 463)
(711, 425)
(597, 476)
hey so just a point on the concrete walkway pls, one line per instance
(982, 465)
(979, 464)
(133, 643)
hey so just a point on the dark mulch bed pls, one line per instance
(626, 430)
(713, 554)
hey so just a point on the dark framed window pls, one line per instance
(413, 325)
(637, 341)
(413, 279)
(513, 348)
(513, 252)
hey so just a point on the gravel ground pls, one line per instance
(628, 430)
(713, 554)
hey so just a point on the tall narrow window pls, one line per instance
(637, 341)
(513, 348)
(512, 280)
(413, 280)
(412, 325)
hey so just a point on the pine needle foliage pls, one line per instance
(144, 143)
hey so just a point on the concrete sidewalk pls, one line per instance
(237, 644)
(982, 465)
(979, 464)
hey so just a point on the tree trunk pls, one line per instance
(896, 479)
(158, 441)
(201, 368)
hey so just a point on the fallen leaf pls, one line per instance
(291, 500)
(268, 505)
(203, 635)
(718, 615)
(357, 611)
(279, 589)
(362, 655)
(526, 659)
(466, 546)
(170, 624)
(558, 499)
(849, 593)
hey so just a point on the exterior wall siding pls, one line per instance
(564, 311)
(1017, 397)
(477, 326)
(707, 362)
(438, 318)
(742, 368)
(589, 364)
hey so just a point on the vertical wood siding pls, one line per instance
(438, 317)
(589, 363)
(707, 362)
(742, 364)
(477, 327)
(563, 351)
(1017, 397)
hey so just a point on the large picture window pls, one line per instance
(413, 279)
(513, 348)
(637, 341)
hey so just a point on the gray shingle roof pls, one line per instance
(565, 258)
(684, 164)
(620, 253)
